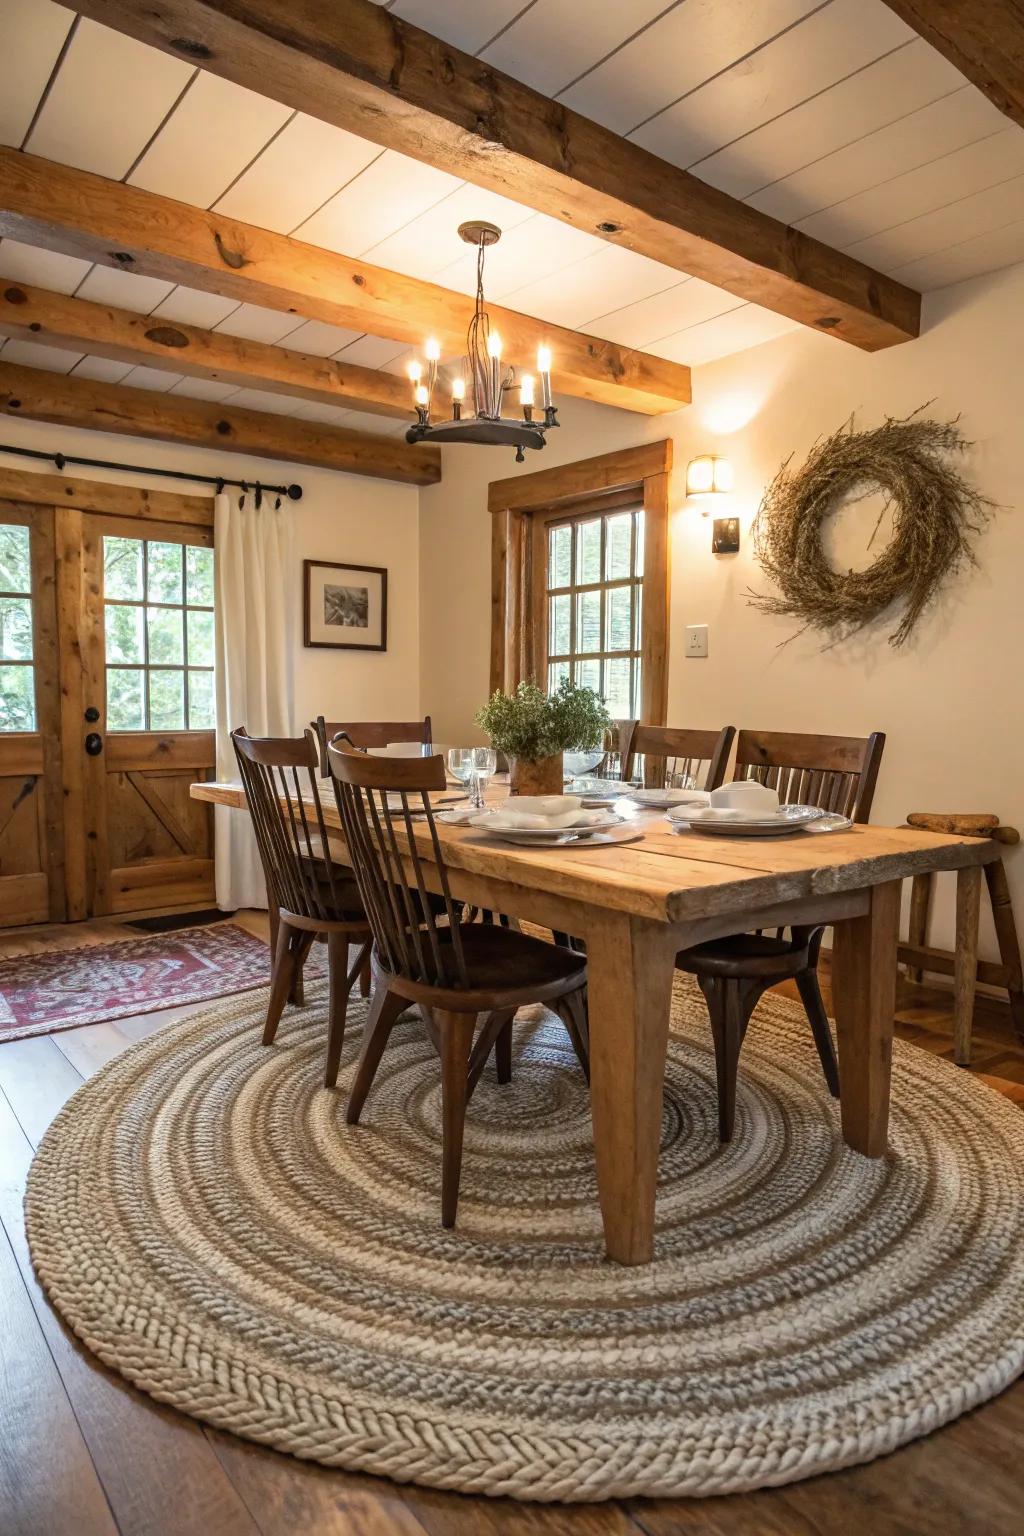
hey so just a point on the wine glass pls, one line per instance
(460, 764)
(485, 763)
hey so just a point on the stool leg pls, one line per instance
(917, 933)
(1009, 946)
(965, 974)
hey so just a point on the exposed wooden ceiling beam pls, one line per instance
(72, 402)
(36, 314)
(983, 39)
(84, 215)
(353, 64)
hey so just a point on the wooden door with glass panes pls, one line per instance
(587, 600)
(31, 839)
(147, 672)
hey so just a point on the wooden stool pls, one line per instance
(963, 964)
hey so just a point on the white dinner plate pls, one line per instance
(566, 837)
(781, 826)
(669, 797)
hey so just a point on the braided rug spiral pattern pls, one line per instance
(208, 1225)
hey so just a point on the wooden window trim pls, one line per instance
(630, 475)
(115, 500)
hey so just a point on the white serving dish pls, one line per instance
(669, 797)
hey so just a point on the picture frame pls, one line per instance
(344, 607)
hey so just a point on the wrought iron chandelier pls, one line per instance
(487, 380)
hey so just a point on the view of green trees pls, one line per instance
(17, 682)
(159, 635)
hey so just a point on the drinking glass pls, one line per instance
(485, 763)
(460, 763)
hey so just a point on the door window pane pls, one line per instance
(122, 569)
(158, 619)
(200, 701)
(200, 639)
(167, 701)
(198, 575)
(17, 698)
(164, 573)
(126, 707)
(126, 640)
(17, 683)
(166, 636)
(15, 629)
(15, 563)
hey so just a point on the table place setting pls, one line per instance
(548, 821)
(748, 809)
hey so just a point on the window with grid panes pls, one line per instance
(158, 623)
(17, 670)
(595, 565)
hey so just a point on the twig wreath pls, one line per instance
(935, 514)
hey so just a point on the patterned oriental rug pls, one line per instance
(207, 1223)
(61, 989)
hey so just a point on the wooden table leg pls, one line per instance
(864, 998)
(965, 960)
(630, 963)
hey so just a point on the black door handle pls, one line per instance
(94, 744)
(92, 714)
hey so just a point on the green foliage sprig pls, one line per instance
(532, 724)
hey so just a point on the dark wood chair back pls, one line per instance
(370, 735)
(377, 797)
(280, 776)
(674, 757)
(838, 773)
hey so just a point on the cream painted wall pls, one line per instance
(340, 517)
(949, 701)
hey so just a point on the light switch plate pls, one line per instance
(696, 641)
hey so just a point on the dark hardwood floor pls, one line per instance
(83, 1454)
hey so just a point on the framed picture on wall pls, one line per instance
(345, 606)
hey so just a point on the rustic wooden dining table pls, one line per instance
(638, 904)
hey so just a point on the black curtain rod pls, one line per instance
(293, 492)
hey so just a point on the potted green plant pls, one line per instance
(534, 728)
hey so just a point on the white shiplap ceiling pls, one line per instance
(829, 114)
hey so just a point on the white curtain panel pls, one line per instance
(255, 636)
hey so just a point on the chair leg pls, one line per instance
(341, 981)
(814, 1007)
(497, 1024)
(366, 976)
(285, 955)
(503, 1053)
(730, 1003)
(456, 1043)
(572, 1010)
(385, 1008)
(297, 994)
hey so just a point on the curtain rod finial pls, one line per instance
(295, 493)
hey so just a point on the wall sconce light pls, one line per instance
(708, 475)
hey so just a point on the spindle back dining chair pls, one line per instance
(676, 757)
(452, 969)
(308, 894)
(371, 735)
(837, 773)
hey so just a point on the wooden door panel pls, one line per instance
(24, 882)
(149, 844)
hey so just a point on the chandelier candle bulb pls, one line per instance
(433, 352)
(544, 369)
(458, 395)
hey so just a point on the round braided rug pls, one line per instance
(209, 1226)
